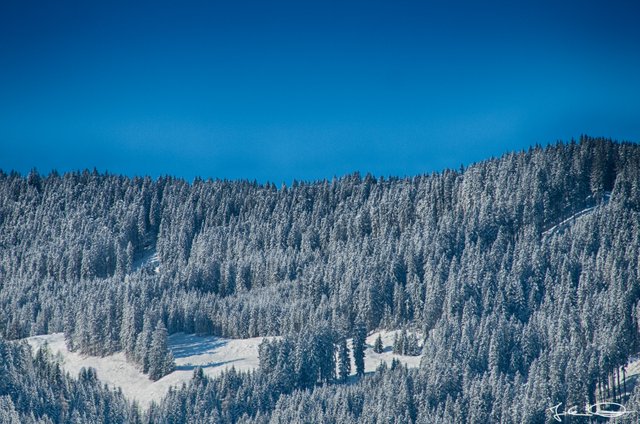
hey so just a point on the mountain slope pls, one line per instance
(513, 319)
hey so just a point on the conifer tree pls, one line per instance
(161, 360)
(143, 343)
(399, 340)
(378, 347)
(344, 360)
(359, 340)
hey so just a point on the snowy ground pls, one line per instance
(372, 359)
(632, 373)
(148, 258)
(212, 354)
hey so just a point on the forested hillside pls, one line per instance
(519, 313)
(35, 390)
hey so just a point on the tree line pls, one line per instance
(472, 258)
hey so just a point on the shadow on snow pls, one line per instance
(190, 345)
(191, 367)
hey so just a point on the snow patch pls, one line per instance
(373, 359)
(212, 354)
(632, 372)
(148, 258)
(629, 379)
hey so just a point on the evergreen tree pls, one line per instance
(161, 361)
(143, 344)
(509, 247)
(359, 340)
(378, 347)
(8, 413)
(128, 331)
(399, 340)
(412, 345)
(344, 360)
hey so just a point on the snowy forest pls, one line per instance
(521, 272)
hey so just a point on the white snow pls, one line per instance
(212, 354)
(372, 359)
(632, 373)
(149, 257)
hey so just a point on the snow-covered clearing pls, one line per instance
(148, 258)
(632, 373)
(212, 354)
(629, 379)
(372, 359)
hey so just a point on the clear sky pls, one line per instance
(283, 90)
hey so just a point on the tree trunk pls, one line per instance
(619, 386)
(599, 396)
(624, 378)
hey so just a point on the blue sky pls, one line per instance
(306, 90)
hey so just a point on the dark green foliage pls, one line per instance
(34, 389)
(378, 347)
(344, 360)
(160, 357)
(406, 343)
(359, 345)
(301, 361)
(521, 272)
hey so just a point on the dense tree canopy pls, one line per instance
(34, 389)
(522, 269)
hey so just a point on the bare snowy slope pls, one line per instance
(212, 354)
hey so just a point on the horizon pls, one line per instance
(285, 91)
(294, 181)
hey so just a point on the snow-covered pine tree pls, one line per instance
(344, 360)
(399, 340)
(378, 347)
(161, 361)
(412, 345)
(359, 339)
(143, 343)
